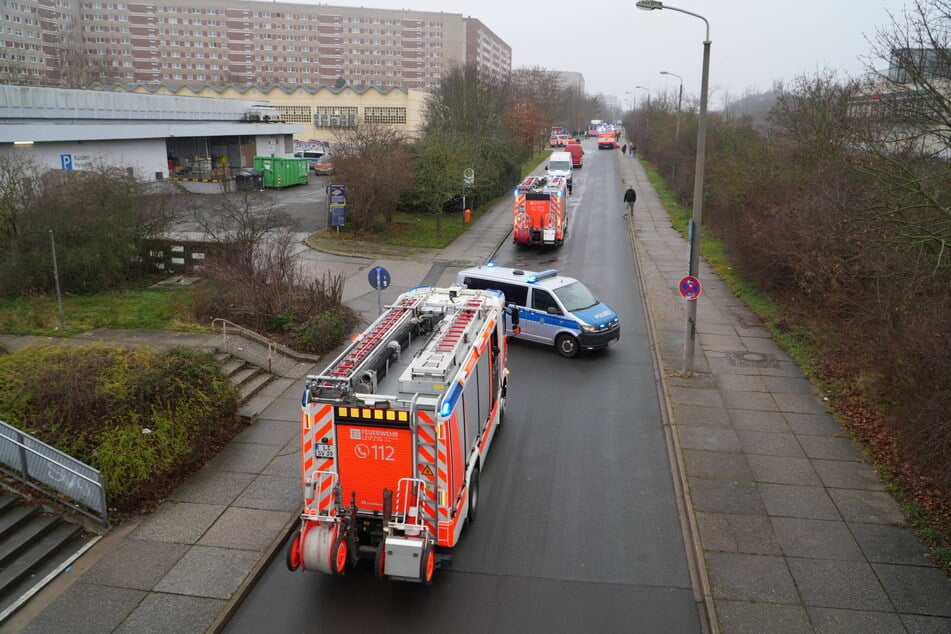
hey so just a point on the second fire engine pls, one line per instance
(541, 211)
(395, 432)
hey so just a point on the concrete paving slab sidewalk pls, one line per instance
(794, 529)
(790, 527)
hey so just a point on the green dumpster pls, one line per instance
(282, 171)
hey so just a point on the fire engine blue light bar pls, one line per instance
(449, 400)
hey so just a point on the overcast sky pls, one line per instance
(617, 46)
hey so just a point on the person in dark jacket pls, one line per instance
(624, 149)
(630, 196)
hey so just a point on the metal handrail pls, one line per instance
(64, 484)
(250, 334)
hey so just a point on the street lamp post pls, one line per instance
(695, 222)
(680, 97)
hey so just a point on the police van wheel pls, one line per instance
(567, 346)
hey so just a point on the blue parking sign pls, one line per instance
(66, 160)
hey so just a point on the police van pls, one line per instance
(553, 309)
(312, 156)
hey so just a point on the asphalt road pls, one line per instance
(578, 528)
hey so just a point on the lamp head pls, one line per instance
(664, 72)
(649, 5)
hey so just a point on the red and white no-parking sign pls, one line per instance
(690, 287)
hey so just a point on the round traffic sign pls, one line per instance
(690, 287)
(379, 278)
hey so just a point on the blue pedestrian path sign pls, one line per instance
(379, 279)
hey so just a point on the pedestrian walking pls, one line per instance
(630, 196)
(633, 150)
(624, 149)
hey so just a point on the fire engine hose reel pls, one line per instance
(317, 551)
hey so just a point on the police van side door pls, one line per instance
(545, 316)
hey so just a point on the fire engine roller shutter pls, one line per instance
(376, 457)
(470, 410)
(482, 375)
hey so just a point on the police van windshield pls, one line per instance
(576, 296)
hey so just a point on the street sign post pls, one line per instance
(690, 287)
(379, 279)
(468, 180)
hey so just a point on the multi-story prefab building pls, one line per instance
(239, 42)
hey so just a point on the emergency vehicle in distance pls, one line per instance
(541, 211)
(607, 139)
(394, 433)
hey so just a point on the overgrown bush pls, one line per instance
(254, 277)
(74, 208)
(373, 163)
(837, 207)
(322, 333)
(279, 307)
(140, 417)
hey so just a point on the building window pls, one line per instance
(335, 116)
(295, 114)
(385, 114)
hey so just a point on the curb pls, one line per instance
(696, 565)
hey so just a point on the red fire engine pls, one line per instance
(541, 211)
(395, 431)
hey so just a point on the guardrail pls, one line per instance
(250, 334)
(31, 460)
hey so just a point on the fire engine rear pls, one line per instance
(541, 211)
(394, 433)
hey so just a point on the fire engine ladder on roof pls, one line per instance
(443, 356)
(368, 349)
(444, 353)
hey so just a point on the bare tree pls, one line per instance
(906, 137)
(242, 225)
(467, 102)
(17, 193)
(76, 66)
(373, 162)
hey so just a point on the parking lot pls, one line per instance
(306, 204)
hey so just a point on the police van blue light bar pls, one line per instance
(531, 279)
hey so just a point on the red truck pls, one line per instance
(576, 152)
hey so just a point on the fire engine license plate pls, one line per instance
(548, 235)
(324, 451)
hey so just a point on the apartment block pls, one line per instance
(242, 42)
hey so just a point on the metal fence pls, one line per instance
(32, 461)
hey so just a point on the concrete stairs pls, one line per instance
(38, 540)
(261, 370)
(35, 542)
(258, 386)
